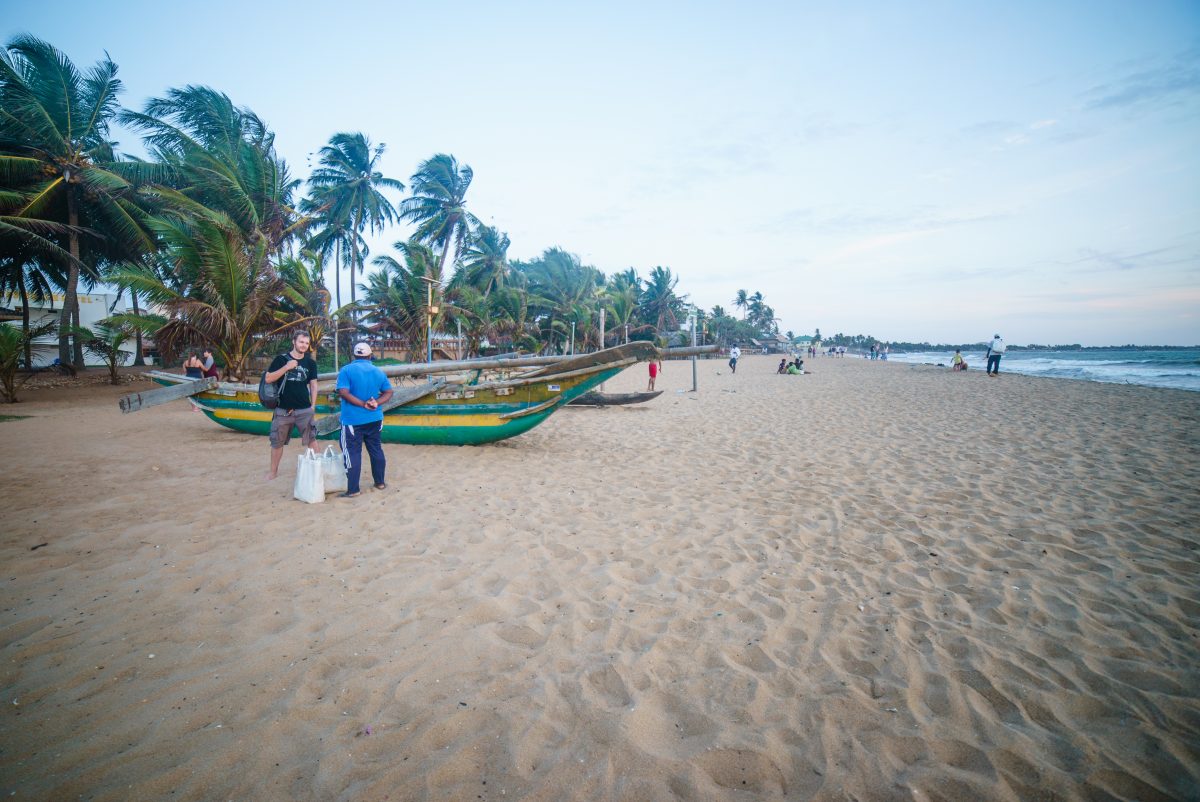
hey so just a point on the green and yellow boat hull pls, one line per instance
(450, 414)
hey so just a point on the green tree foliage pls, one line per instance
(347, 197)
(60, 178)
(437, 205)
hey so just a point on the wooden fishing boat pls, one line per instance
(595, 398)
(465, 411)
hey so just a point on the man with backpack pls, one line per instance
(297, 373)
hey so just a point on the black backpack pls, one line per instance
(268, 392)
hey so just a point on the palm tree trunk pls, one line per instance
(25, 323)
(354, 255)
(138, 359)
(70, 310)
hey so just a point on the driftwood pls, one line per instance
(152, 398)
(399, 398)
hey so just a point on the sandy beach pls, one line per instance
(875, 582)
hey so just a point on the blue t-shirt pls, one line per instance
(364, 381)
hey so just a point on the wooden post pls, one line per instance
(152, 398)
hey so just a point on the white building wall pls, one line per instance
(93, 307)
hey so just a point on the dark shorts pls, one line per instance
(284, 420)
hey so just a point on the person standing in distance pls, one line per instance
(362, 387)
(994, 352)
(735, 353)
(297, 398)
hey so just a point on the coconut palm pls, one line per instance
(659, 302)
(106, 341)
(347, 189)
(218, 291)
(562, 289)
(13, 343)
(305, 276)
(742, 301)
(217, 160)
(438, 205)
(54, 124)
(24, 278)
(485, 260)
(622, 307)
(398, 293)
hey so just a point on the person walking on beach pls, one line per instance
(994, 352)
(735, 353)
(362, 388)
(958, 362)
(298, 372)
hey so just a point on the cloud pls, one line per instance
(1091, 259)
(1163, 84)
(989, 128)
(919, 218)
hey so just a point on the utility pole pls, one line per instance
(693, 355)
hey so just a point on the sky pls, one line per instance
(924, 171)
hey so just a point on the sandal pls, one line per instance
(350, 495)
(381, 486)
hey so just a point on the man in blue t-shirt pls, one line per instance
(362, 387)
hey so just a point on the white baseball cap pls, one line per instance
(362, 349)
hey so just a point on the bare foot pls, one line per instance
(269, 476)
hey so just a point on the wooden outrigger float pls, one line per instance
(461, 410)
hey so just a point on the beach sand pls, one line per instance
(875, 582)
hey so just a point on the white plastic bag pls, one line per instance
(310, 477)
(335, 470)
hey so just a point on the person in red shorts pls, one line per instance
(655, 367)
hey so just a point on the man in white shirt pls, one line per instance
(734, 354)
(994, 352)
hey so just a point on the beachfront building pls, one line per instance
(93, 307)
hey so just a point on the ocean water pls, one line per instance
(1179, 370)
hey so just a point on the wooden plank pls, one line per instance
(152, 398)
(399, 398)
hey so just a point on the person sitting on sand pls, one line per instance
(193, 367)
(783, 365)
(210, 365)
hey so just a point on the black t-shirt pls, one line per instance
(294, 393)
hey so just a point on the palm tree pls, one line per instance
(562, 289)
(54, 124)
(485, 260)
(621, 304)
(25, 279)
(742, 301)
(438, 205)
(659, 301)
(397, 294)
(106, 341)
(347, 187)
(305, 276)
(217, 160)
(219, 291)
(13, 343)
